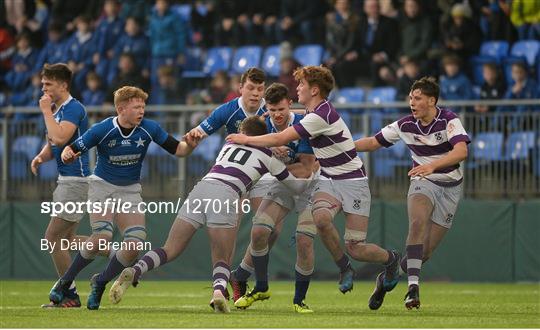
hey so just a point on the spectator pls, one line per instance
(286, 68)
(461, 35)
(411, 73)
(202, 23)
(55, 49)
(64, 12)
(226, 29)
(138, 9)
(525, 16)
(454, 84)
(378, 42)
(234, 88)
(300, 21)
(94, 94)
(7, 48)
(493, 87)
(264, 20)
(218, 90)
(128, 74)
(80, 48)
(168, 33)
(523, 87)
(28, 97)
(168, 91)
(108, 32)
(342, 40)
(416, 33)
(388, 9)
(135, 42)
(22, 63)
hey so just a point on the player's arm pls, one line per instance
(267, 140)
(210, 124)
(367, 144)
(59, 133)
(178, 148)
(44, 155)
(455, 156)
(87, 141)
(304, 167)
(280, 171)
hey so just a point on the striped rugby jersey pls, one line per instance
(241, 166)
(429, 143)
(332, 143)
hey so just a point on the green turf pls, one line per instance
(185, 304)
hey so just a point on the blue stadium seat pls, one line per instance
(488, 146)
(518, 145)
(218, 58)
(350, 95)
(497, 49)
(271, 60)
(381, 95)
(507, 67)
(528, 49)
(183, 11)
(246, 57)
(194, 63)
(23, 150)
(310, 54)
(48, 171)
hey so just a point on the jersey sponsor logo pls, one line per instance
(111, 143)
(125, 160)
(237, 125)
(438, 136)
(126, 143)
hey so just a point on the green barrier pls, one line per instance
(489, 241)
(527, 241)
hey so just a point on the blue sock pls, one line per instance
(114, 268)
(300, 287)
(240, 274)
(76, 266)
(260, 264)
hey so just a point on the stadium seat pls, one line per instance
(183, 11)
(528, 49)
(218, 58)
(310, 54)
(349, 95)
(271, 60)
(381, 95)
(193, 66)
(488, 146)
(24, 149)
(497, 49)
(246, 57)
(507, 67)
(518, 145)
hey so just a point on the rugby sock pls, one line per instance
(115, 266)
(403, 265)
(414, 263)
(343, 263)
(152, 259)
(301, 285)
(260, 263)
(391, 258)
(221, 276)
(243, 272)
(76, 266)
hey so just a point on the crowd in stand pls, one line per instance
(368, 43)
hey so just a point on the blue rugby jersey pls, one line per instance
(297, 146)
(230, 115)
(73, 111)
(120, 156)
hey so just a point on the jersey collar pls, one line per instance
(63, 104)
(115, 123)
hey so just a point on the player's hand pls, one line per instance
(45, 103)
(195, 133)
(68, 155)
(279, 152)
(421, 170)
(237, 138)
(35, 164)
(191, 141)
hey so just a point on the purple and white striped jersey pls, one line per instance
(332, 143)
(241, 166)
(428, 143)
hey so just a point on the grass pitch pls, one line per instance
(185, 304)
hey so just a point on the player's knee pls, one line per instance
(135, 233)
(323, 212)
(355, 242)
(101, 230)
(259, 236)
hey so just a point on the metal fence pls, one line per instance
(503, 162)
